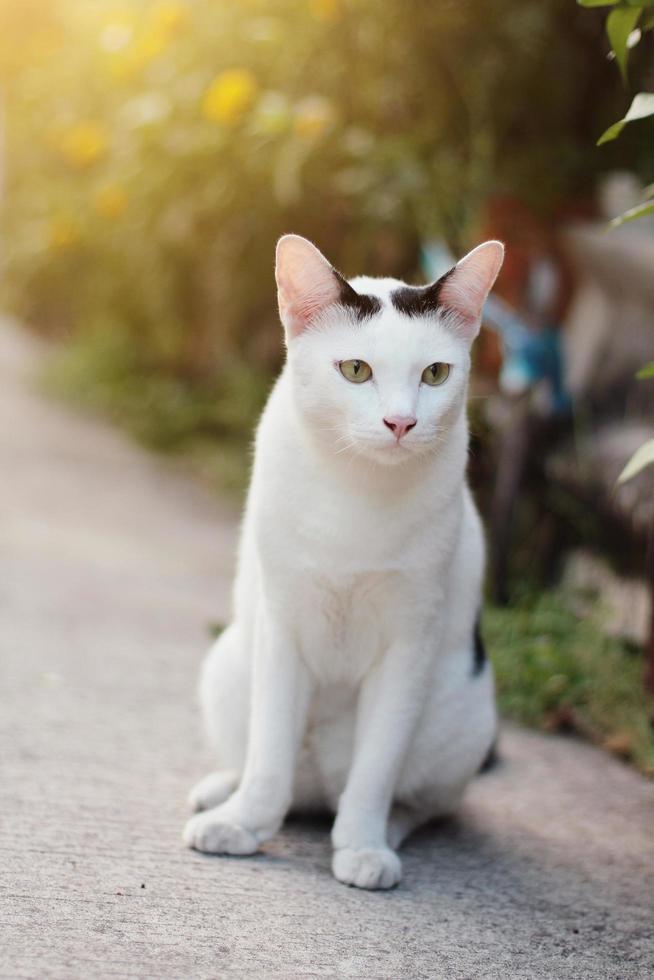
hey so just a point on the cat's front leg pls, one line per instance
(280, 697)
(390, 703)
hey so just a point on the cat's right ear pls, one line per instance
(306, 283)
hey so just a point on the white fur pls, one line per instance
(345, 679)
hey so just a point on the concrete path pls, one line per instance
(112, 567)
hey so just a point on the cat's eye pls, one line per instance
(436, 374)
(355, 371)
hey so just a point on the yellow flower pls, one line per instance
(110, 201)
(229, 96)
(169, 16)
(314, 116)
(63, 232)
(83, 144)
(328, 11)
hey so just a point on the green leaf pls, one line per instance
(611, 133)
(640, 459)
(633, 214)
(641, 107)
(619, 25)
(647, 371)
(647, 22)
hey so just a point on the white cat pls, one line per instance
(353, 676)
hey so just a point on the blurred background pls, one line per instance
(154, 150)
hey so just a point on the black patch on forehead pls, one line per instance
(420, 300)
(362, 305)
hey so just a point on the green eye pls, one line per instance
(355, 371)
(436, 374)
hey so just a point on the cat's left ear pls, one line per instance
(306, 283)
(464, 289)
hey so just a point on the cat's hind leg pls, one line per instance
(457, 728)
(224, 699)
(225, 696)
(225, 703)
(213, 789)
(403, 820)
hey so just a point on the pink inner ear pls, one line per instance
(306, 284)
(467, 286)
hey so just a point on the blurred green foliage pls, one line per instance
(556, 668)
(208, 420)
(626, 23)
(155, 150)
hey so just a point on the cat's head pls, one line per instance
(379, 368)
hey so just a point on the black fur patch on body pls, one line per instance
(420, 300)
(491, 759)
(479, 656)
(362, 305)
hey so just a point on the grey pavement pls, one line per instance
(113, 565)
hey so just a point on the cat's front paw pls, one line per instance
(367, 867)
(213, 832)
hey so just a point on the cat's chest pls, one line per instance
(344, 622)
(337, 537)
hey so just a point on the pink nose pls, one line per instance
(400, 425)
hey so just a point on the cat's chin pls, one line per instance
(385, 454)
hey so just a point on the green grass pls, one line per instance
(210, 423)
(557, 669)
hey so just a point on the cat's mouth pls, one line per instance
(383, 451)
